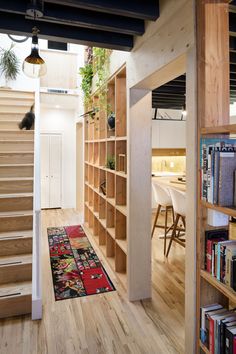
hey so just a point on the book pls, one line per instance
(209, 331)
(213, 236)
(230, 253)
(227, 322)
(230, 333)
(204, 310)
(227, 166)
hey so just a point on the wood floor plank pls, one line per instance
(105, 323)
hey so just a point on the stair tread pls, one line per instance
(18, 288)
(17, 152)
(5, 179)
(16, 195)
(16, 213)
(15, 141)
(16, 234)
(18, 130)
(15, 164)
(8, 260)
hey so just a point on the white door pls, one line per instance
(45, 170)
(51, 170)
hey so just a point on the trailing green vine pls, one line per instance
(86, 73)
(101, 64)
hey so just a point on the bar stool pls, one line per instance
(179, 205)
(163, 200)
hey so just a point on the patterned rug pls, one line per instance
(76, 269)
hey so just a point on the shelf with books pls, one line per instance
(223, 129)
(224, 289)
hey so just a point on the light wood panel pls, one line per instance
(15, 202)
(213, 118)
(106, 323)
(15, 242)
(15, 268)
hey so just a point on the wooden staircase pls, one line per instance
(16, 204)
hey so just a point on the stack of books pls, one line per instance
(218, 166)
(218, 329)
(220, 260)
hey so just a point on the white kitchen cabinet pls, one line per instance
(168, 134)
(51, 170)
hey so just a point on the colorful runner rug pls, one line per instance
(76, 269)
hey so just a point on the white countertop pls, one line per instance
(167, 174)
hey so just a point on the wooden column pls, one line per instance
(212, 110)
(213, 62)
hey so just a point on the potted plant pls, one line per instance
(111, 162)
(9, 64)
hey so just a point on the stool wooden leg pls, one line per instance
(156, 218)
(166, 219)
(173, 233)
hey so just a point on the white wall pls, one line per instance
(58, 120)
(22, 50)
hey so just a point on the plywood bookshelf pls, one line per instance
(210, 290)
(106, 214)
(213, 122)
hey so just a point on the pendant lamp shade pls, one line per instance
(34, 66)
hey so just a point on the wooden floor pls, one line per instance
(105, 323)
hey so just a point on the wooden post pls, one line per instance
(213, 62)
(212, 110)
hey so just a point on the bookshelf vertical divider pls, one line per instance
(105, 196)
(213, 121)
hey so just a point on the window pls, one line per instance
(57, 45)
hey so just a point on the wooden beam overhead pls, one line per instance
(17, 24)
(146, 10)
(79, 17)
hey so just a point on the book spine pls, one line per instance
(227, 267)
(222, 263)
(209, 256)
(234, 346)
(234, 273)
(218, 261)
(211, 335)
(216, 177)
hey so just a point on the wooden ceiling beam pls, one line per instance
(18, 24)
(146, 10)
(79, 17)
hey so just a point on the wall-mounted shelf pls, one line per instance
(106, 214)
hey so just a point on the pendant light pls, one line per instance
(34, 66)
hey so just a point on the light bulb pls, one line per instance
(34, 66)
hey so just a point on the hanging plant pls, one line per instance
(101, 64)
(9, 64)
(86, 73)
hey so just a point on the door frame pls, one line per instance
(61, 133)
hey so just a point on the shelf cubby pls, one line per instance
(91, 175)
(96, 203)
(110, 185)
(102, 115)
(102, 235)
(102, 208)
(110, 104)
(121, 156)
(91, 220)
(96, 154)
(102, 154)
(95, 227)
(96, 117)
(86, 213)
(96, 178)
(86, 147)
(110, 216)
(86, 192)
(90, 152)
(120, 104)
(120, 260)
(120, 226)
(86, 168)
(102, 179)
(110, 250)
(121, 198)
(90, 197)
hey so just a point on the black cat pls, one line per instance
(28, 120)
